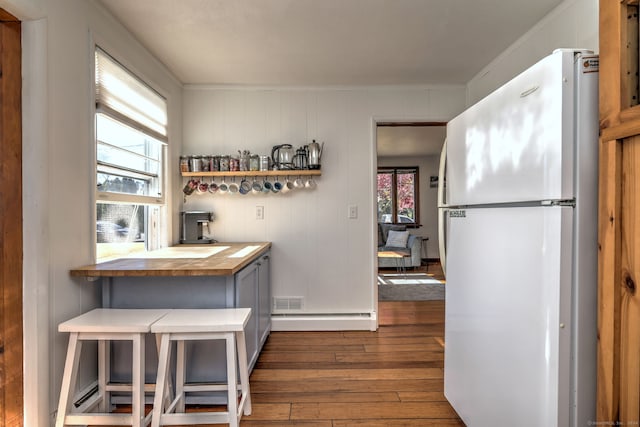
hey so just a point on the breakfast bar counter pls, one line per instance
(218, 259)
(220, 275)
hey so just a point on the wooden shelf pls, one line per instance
(284, 172)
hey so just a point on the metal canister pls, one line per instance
(264, 163)
(184, 163)
(224, 163)
(205, 165)
(195, 164)
(214, 163)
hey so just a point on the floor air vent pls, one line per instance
(287, 303)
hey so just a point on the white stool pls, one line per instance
(103, 325)
(202, 324)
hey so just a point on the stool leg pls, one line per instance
(168, 388)
(137, 381)
(69, 377)
(103, 375)
(243, 365)
(181, 374)
(232, 381)
(164, 355)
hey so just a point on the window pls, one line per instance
(398, 195)
(131, 137)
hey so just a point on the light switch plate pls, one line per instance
(353, 211)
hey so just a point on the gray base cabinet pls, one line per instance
(253, 290)
(206, 361)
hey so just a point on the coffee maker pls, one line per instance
(194, 227)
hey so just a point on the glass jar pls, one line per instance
(184, 164)
(244, 161)
(254, 163)
(234, 164)
(224, 163)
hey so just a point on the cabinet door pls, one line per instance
(264, 299)
(247, 296)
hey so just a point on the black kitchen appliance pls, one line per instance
(194, 227)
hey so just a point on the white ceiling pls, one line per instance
(327, 42)
(331, 42)
(410, 140)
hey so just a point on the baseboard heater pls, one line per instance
(324, 321)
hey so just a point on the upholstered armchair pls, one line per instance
(397, 238)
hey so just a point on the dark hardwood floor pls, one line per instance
(392, 377)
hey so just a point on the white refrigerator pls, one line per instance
(519, 217)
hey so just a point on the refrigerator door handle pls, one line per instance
(442, 207)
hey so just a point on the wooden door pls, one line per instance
(619, 229)
(11, 395)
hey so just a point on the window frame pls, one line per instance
(394, 170)
(155, 205)
(114, 197)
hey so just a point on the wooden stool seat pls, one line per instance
(104, 325)
(202, 324)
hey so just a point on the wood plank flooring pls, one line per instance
(392, 377)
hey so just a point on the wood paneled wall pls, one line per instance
(619, 234)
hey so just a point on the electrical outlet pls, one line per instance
(353, 211)
(259, 212)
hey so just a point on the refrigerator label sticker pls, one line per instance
(590, 64)
(457, 213)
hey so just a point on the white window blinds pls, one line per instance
(121, 95)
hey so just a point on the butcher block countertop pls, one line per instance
(218, 259)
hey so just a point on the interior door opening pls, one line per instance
(407, 163)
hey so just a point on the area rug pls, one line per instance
(409, 287)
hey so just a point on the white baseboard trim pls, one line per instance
(325, 322)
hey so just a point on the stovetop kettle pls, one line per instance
(315, 153)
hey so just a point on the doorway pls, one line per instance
(408, 155)
(11, 348)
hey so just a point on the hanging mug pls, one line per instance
(245, 187)
(190, 187)
(310, 184)
(277, 186)
(256, 187)
(287, 186)
(203, 187)
(298, 183)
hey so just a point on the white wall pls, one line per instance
(318, 253)
(573, 24)
(428, 197)
(59, 213)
